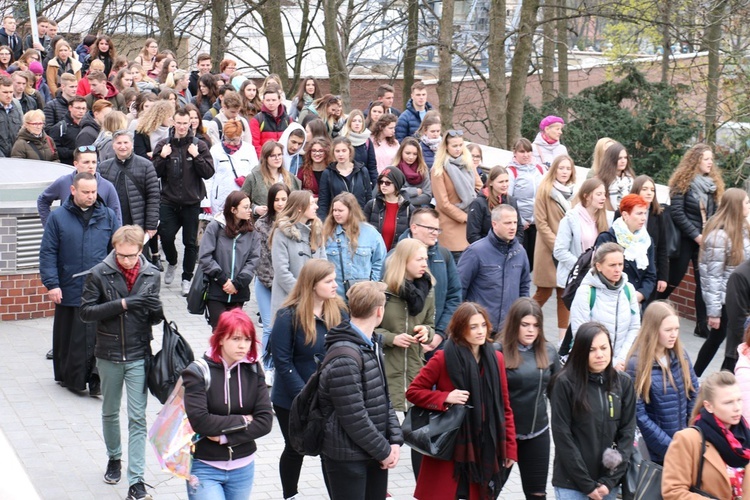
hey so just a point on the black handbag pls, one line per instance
(196, 297)
(696, 488)
(649, 481)
(672, 234)
(168, 364)
(629, 481)
(433, 433)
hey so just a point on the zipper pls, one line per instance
(536, 401)
(122, 334)
(406, 351)
(234, 257)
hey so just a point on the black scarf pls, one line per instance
(415, 293)
(480, 445)
(732, 443)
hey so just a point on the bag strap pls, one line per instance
(700, 460)
(343, 350)
(341, 260)
(128, 173)
(36, 149)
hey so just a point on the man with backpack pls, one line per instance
(363, 438)
(121, 295)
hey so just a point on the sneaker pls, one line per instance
(169, 274)
(50, 354)
(156, 261)
(137, 491)
(185, 287)
(113, 474)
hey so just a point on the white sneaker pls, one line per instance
(185, 287)
(169, 274)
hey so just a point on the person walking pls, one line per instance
(389, 210)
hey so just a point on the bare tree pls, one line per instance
(496, 82)
(445, 70)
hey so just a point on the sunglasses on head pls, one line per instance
(83, 149)
(455, 133)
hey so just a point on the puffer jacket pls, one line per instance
(581, 438)
(524, 182)
(742, 372)
(182, 175)
(64, 134)
(621, 317)
(70, 247)
(265, 127)
(686, 213)
(10, 124)
(121, 335)
(668, 409)
(34, 147)
(644, 280)
(403, 365)
(715, 270)
(223, 258)
(235, 391)
(479, 218)
(264, 269)
(409, 121)
(90, 129)
(290, 248)
(375, 213)
(365, 154)
(363, 424)
(568, 246)
(494, 273)
(54, 111)
(144, 212)
(544, 152)
(226, 169)
(738, 310)
(333, 183)
(366, 264)
(527, 387)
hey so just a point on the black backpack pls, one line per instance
(306, 419)
(576, 275)
(168, 364)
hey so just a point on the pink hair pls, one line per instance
(230, 322)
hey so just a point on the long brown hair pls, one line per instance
(638, 184)
(265, 153)
(545, 186)
(421, 165)
(458, 326)
(296, 206)
(731, 219)
(583, 196)
(233, 227)
(521, 308)
(607, 171)
(493, 198)
(351, 227)
(302, 299)
(686, 171)
(645, 352)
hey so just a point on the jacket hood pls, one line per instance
(596, 282)
(89, 121)
(292, 230)
(111, 91)
(530, 167)
(284, 139)
(280, 111)
(25, 135)
(343, 332)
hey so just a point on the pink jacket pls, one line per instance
(742, 372)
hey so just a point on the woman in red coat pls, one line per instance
(468, 371)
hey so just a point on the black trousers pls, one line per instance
(290, 462)
(529, 242)
(708, 350)
(677, 269)
(73, 344)
(356, 479)
(533, 464)
(216, 307)
(172, 218)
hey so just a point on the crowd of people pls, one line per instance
(380, 232)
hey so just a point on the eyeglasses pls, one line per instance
(36, 124)
(127, 257)
(277, 156)
(317, 152)
(384, 182)
(83, 149)
(477, 157)
(433, 230)
(455, 133)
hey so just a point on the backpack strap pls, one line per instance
(514, 171)
(540, 168)
(592, 298)
(346, 349)
(629, 295)
(200, 366)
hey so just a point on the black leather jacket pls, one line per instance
(120, 335)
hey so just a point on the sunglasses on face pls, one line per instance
(384, 182)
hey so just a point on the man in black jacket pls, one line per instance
(121, 295)
(182, 162)
(738, 311)
(10, 38)
(56, 109)
(364, 438)
(65, 131)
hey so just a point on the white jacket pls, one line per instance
(715, 270)
(567, 245)
(545, 153)
(222, 183)
(621, 317)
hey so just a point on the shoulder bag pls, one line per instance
(433, 433)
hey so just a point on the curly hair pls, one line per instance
(686, 171)
(380, 126)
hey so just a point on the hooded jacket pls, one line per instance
(568, 247)
(409, 121)
(612, 308)
(687, 215)
(139, 201)
(60, 190)
(715, 269)
(54, 70)
(544, 152)
(223, 258)
(332, 183)
(669, 407)
(375, 214)
(227, 168)
(64, 134)
(644, 280)
(362, 423)
(364, 264)
(494, 273)
(581, 437)
(11, 121)
(365, 154)
(71, 246)
(34, 147)
(524, 182)
(293, 162)
(113, 96)
(90, 129)
(121, 335)
(265, 127)
(234, 391)
(182, 174)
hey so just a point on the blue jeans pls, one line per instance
(263, 297)
(133, 375)
(219, 484)
(566, 494)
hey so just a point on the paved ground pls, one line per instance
(57, 439)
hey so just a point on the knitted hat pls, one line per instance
(550, 120)
(394, 175)
(36, 67)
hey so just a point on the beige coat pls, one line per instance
(681, 470)
(452, 218)
(547, 215)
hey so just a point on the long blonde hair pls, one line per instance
(645, 348)
(395, 265)
(441, 155)
(708, 389)
(351, 227)
(296, 206)
(601, 146)
(302, 299)
(421, 165)
(687, 170)
(155, 117)
(545, 186)
(731, 219)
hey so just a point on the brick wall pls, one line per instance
(684, 296)
(22, 296)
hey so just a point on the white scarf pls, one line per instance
(635, 244)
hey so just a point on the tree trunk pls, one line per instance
(520, 68)
(562, 57)
(548, 52)
(218, 32)
(712, 43)
(410, 53)
(445, 70)
(166, 25)
(496, 82)
(270, 14)
(337, 72)
(665, 7)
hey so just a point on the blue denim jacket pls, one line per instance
(367, 261)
